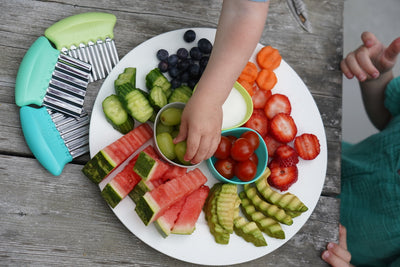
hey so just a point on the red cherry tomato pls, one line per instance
(232, 138)
(245, 170)
(224, 148)
(254, 158)
(241, 149)
(253, 138)
(226, 167)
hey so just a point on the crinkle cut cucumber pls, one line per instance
(116, 115)
(136, 104)
(126, 80)
(180, 94)
(157, 98)
(156, 79)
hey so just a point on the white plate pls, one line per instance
(200, 247)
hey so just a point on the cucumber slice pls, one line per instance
(156, 78)
(126, 80)
(116, 115)
(136, 104)
(180, 94)
(157, 98)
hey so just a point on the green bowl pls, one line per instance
(261, 151)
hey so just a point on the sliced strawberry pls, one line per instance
(271, 144)
(277, 103)
(260, 97)
(307, 146)
(258, 122)
(286, 156)
(283, 128)
(273, 163)
(282, 177)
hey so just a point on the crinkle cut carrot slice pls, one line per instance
(246, 85)
(249, 73)
(268, 58)
(266, 79)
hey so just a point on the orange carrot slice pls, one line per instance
(268, 58)
(266, 79)
(249, 73)
(246, 85)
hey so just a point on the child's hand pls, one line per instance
(371, 59)
(337, 255)
(201, 127)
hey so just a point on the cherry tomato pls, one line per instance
(260, 98)
(224, 148)
(253, 138)
(225, 167)
(254, 158)
(232, 138)
(241, 149)
(245, 170)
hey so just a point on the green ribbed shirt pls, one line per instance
(370, 191)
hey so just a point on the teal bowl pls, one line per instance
(261, 152)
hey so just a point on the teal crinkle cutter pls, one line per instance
(54, 138)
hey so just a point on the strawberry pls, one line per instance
(282, 177)
(271, 144)
(307, 146)
(283, 128)
(260, 97)
(277, 103)
(258, 122)
(286, 156)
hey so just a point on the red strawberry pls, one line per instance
(283, 177)
(271, 144)
(258, 122)
(283, 128)
(307, 146)
(277, 103)
(286, 156)
(260, 97)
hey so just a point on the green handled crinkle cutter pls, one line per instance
(46, 77)
(88, 37)
(54, 138)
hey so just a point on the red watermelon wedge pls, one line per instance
(110, 157)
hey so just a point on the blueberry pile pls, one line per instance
(185, 66)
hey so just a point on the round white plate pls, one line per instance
(200, 247)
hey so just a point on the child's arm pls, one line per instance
(239, 29)
(372, 65)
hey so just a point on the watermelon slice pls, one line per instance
(150, 167)
(110, 157)
(166, 221)
(173, 172)
(186, 222)
(120, 186)
(152, 204)
(144, 186)
(123, 183)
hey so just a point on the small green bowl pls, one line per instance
(261, 151)
(157, 120)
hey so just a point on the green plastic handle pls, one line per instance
(35, 72)
(81, 28)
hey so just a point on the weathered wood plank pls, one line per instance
(50, 220)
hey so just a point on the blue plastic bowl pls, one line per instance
(261, 151)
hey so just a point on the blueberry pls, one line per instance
(163, 66)
(194, 70)
(189, 36)
(173, 60)
(162, 54)
(175, 83)
(182, 53)
(173, 72)
(195, 53)
(183, 64)
(204, 61)
(185, 77)
(204, 45)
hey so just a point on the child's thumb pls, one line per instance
(369, 39)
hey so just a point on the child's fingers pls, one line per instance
(369, 39)
(192, 145)
(346, 70)
(354, 67)
(333, 259)
(393, 50)
(364, 62)
(342, 237)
